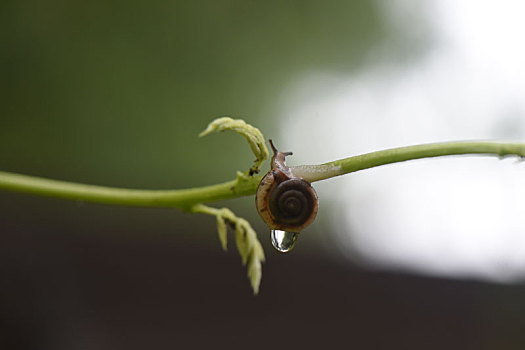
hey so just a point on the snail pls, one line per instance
(284, 201)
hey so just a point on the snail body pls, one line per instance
(284, 201)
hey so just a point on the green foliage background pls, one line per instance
(116, 92)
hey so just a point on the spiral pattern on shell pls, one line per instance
(292, 202)
(286, 203)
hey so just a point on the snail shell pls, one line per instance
(284, 201)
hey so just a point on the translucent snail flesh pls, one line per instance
(284, 201)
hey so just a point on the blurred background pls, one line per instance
(427, 254)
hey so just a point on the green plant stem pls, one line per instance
(183, 199)
(245, 185)
(339, 167)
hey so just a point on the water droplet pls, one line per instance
(284, 241)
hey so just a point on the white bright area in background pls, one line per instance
(462, 216)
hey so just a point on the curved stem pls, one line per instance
(246, 185)
(324, 171)
(183, 199)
